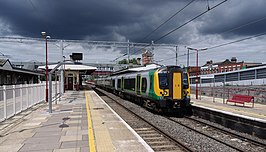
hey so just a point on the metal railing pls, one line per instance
(17, 98)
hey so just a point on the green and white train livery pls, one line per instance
(161, 89)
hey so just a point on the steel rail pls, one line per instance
(204, 134)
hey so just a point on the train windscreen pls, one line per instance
(163, 81)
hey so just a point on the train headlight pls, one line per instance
(165, 92)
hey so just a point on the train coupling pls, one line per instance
(176, 104)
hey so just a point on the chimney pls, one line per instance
(138, 61)
(233, 59)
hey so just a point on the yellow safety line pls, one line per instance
(90, 129)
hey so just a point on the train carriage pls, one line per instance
(161, 89)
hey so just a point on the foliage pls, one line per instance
(125, 61)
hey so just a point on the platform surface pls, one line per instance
(80, 122)
(258, 112)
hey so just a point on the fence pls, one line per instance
(226, 92)
(16, 98)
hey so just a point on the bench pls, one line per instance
(237, 98)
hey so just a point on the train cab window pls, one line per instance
(143, 85)
(185, 81)
(163, 81)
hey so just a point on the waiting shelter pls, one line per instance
(72, 74)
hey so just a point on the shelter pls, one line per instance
(73, 74)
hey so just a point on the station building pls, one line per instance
(13, 75)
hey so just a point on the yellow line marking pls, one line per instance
(90, 129)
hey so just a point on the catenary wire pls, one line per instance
(172, 16)
(224, 44)
(239, 27)
(168, 33)
(236, 41)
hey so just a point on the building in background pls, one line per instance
(147, 57)
(13, 75)
(226, 66)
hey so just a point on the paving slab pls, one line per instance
(47, 140)
(77, 132)
(49, 133)
(67, 150)
(74, 144)
(10, 148)
(70, 138)
(39, 147)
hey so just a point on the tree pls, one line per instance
(133, 61)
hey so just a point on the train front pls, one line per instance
(173, 88)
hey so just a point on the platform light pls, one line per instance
(46, 63)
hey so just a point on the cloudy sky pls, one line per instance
(133, 20)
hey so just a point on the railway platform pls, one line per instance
(80, 122)
(257, 113)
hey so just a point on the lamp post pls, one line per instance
(46, 64)
(197, 67)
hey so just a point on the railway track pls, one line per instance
(230, 139)
(160, 140)
(157, 139)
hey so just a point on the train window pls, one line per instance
(163, 81)
(119, 83)
(185, 81)
(113, 83)
(144, 85)
(151, 80)
(129, 84)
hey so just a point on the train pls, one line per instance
(162, 89)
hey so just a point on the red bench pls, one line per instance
(237, 98)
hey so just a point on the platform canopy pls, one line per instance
(83, 69)
(144, 68)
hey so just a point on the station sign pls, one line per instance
(207, 76)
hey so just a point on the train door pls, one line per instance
(177, 86)
(122, 83)
(70, 82)
(138, 84)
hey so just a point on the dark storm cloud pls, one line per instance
(119, 20)
(233, 15)
(79, 19)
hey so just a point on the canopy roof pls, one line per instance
(72, 66)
